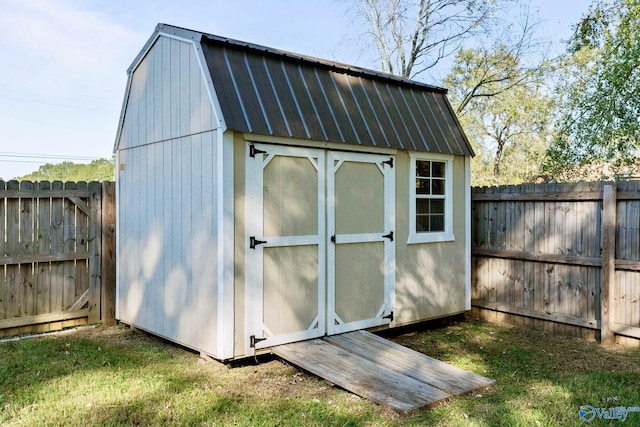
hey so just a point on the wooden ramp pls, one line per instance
(382, 371)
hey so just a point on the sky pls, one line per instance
(63, 63)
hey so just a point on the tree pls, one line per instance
(499, 91)
(506, 112)
(97, 170)
(600, 91)
(489, 78)
(506, 63)
(413, 36)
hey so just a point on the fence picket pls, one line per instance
(69, 245)
(43, 276)
(633, 252)
(81, 245)
(4, 303)
(57, 246)
(26, 248)
(13, 246)
(95, 259)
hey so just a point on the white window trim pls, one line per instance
(438, 236)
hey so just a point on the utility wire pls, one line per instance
(38, 158)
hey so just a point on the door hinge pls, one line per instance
(253, 341)
(253, 242)
(253, 151)
(388, 162)
(389, 236)
(389, 316)
(333, 238)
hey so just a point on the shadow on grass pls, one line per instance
(128, 378)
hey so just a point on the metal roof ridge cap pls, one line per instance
(334, 65)
(179, 31)
(160, 29)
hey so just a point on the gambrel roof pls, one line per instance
(272, 92)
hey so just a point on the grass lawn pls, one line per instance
(115, 376)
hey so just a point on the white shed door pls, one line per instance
(361, 252)
(316, 268)
(285, 262)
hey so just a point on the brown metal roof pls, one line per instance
(272, 92)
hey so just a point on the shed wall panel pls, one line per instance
(168, 97)
(430, 277)
(167, 279)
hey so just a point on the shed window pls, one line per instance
(430, 198)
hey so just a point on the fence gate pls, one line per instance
(50, 263)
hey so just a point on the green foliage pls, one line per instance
(97, 170)
(505, 111)
(600, 91)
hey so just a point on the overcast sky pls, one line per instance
(63, 62)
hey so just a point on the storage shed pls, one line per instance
(265, 197)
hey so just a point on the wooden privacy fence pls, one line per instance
(564, 253)
(56, 250)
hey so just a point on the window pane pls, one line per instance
(422, 223)
(423, 168)
(437, 186)
(430, 196)
(437, 206)
(422, 186)
(437, 169)
(437, 223)
(422, 206)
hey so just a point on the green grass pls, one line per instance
(114, 376)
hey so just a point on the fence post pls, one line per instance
(108, 299)
(608, 271)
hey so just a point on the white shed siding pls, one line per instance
(168, 96)
(168, 199)
(167, 274)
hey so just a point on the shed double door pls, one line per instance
(320, 255)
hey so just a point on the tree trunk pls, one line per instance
(498, 159)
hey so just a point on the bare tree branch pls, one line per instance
(413, 36)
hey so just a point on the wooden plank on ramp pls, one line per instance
(381, 371)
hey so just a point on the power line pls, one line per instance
(10, 157)
(23, 161)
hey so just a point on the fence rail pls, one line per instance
(52, 259)
(563, 253)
